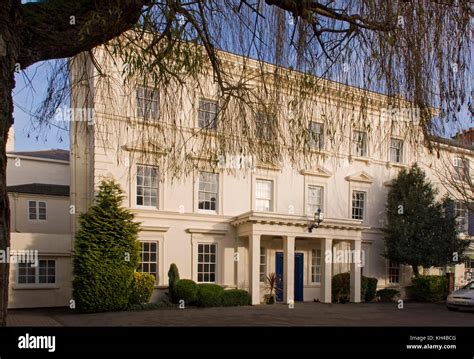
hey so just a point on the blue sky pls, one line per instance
(29, 92)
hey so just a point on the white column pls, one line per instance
(254, 252)
(288, 269)
(326, 270)
(355, 271)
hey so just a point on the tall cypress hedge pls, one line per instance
(106, 253)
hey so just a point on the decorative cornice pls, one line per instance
(155, 229)
(218, 232)
(268, 166)
(361, 176)
(150, 147)
(317, 171)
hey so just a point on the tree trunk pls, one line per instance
(8, 54)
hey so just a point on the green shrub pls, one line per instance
(151, 306)
(186, 290)
(364, 284)
(429, 288)
(173, 278)
(387, 294)
(209, 295)
(341, 288)
(235, 297)
(371, 289)
(142, 288)
(106, 253)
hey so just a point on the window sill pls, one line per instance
(313, 285)
(35, 286)
(397, 164)
(205, 211)
(364, 159)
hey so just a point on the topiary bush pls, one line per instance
(106, 253)
(371, 289)
(186, 290)
(209, 295)
(235, 297)
(142, 288)
(173, 278)
(387, 295)
(429, 288)
(340, 287)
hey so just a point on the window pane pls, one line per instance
(208, 191)
(147, 186)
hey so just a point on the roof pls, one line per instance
(40, 188)
(452, 142)
(53, 154)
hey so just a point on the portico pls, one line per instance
(287, 236)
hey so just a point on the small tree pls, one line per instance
(420, 231)
(173, 279)
(106, 253)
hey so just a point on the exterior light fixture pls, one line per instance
(318, 218)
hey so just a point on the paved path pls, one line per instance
(303, 314)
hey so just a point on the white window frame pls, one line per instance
(272, 195)
(316, 269)
(310, 206)
(461, 168)
(37, 273)
(263, 129)
(208, 262)
(394, 148)
(207, 113)
(461, 213)
(153, 100)
(316, 139)
(156, 262)
(156, 189)
(359, 144)
(263, 264)
(37, 204)
(364, 208)
(217, 192)
(394, 266)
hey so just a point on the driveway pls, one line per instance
(303, 314)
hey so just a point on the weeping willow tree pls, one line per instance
(292, 55)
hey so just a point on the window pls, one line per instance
(358, 205)
(208, 191)
(316, 266)
(149, 258)
(460, 212)
(264, 196)
(207, 114)
(315, 199)
(393, 272)
(44, 273)
(359, 144)
(396, 150)
(263, 127)
(147, 186)
(316, 136)
(263, 264)
(37, 210)
(461, 168)
(147, 102)
(206, 272)
(469, 269)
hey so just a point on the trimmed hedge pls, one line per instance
(371, 289)
(235, 297)
(341, 284)
(186, 290)
(173, 278)
(209, 295)
(387, 294)
(429, 288)
(142, 287)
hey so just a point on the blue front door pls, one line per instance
(299, 264)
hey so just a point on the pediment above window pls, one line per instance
(360, 177)
(317, 171)
(148, 147)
